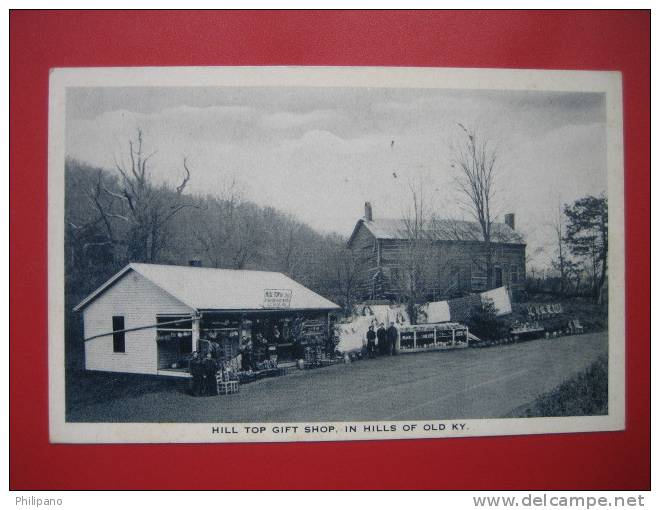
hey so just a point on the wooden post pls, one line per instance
(195, 331)
(415, 339)
(453, 336)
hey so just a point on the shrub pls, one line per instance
(484, 323)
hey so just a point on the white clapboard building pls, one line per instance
(148, 317)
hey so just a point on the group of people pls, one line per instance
(203, 373)
(382, 341)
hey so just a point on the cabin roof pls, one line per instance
(438, 230)
(204, 288)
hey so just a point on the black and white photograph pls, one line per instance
(292, 254)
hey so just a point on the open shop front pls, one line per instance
(246, 341)
(174, 340)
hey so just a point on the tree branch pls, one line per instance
(182, 186)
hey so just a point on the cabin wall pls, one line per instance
(462, 267)
(139, 301)
(366, 247)
(452, 267)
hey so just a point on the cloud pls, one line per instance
(322, 158)
(288, 120)
(321, 141)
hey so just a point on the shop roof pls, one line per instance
(204, 288)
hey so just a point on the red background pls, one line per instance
(555, 40)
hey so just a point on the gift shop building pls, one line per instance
(148, 318)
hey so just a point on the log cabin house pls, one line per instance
(450, 255)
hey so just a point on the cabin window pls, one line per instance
(497, 276)
(176, 330)
(514, 273)
(118, 334)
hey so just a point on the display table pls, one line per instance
(430, 337)
(527, 332)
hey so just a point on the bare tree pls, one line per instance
(418, 257)
(561, 263)
(144, 208)
(475, 160)
(291, 256)
(347, 267)
(285, 242)
(247, 238)
(217, 228)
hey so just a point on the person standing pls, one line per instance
(260, 347)
(381, 335)
(371, 342)
(210, 371)
(392, 337)
(196, 369)
(246, 355)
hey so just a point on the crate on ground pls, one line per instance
(227, 387)
(314, 356)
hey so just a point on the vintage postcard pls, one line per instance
(304, 254)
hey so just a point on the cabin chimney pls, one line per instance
(368, 214)
(195, 263)
(510, 220)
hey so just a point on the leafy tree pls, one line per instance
(586, 237)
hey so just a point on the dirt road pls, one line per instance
(467, 383)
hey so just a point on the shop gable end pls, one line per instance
(139, 301)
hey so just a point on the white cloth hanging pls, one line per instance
(353, 335)
(437, 311)
(500, 299)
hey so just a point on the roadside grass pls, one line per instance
(93, 387)
(583, 395)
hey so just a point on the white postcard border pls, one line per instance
(445, 78)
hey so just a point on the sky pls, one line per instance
(319, 153)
